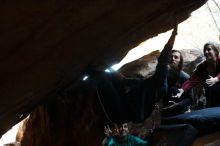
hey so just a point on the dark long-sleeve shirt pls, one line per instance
(136, 102)
(175, 80)
(200, 75)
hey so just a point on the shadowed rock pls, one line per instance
(46, 45)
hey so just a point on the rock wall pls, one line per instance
(75, 117)
(45, 45)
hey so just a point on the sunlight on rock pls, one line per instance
(10, 136)
(201, 27)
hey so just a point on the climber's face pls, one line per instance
(175, 60)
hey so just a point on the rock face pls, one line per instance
(45, 45)
(73, 115)
(145, 66)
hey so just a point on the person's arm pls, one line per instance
(187, 96)
(136, 141)
(173, 36)
(164, 55)
(183, 78)
(163, 60)
(195, 79)
(108, 132)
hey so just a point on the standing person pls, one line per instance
(207, 72)
(176, 78)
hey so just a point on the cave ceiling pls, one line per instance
(45, 45)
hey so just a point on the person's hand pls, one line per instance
(107, 131)
(211, 81)
(175, 28)
(178, 95)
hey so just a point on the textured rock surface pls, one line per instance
(146, 65)
(75, 115)
(46, 44)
